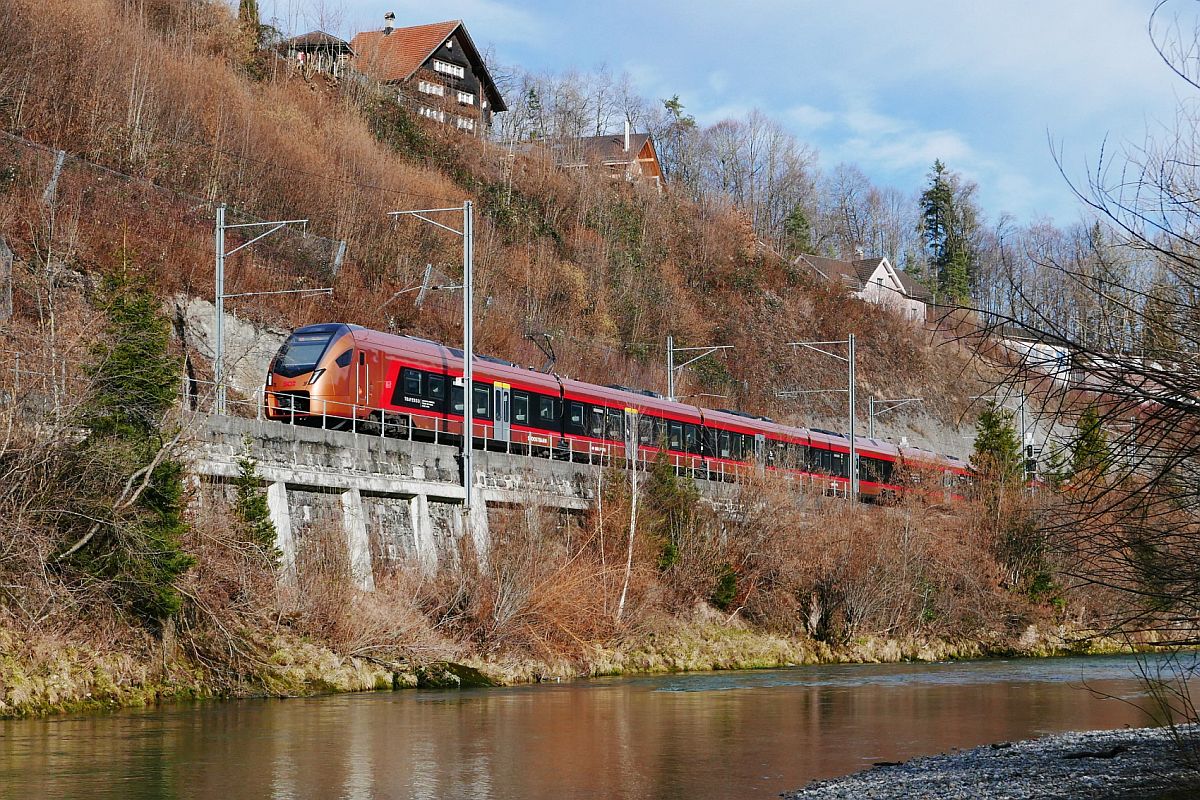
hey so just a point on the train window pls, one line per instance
(344, 359)
(646, 430)
(708, 440)
(456, 399)
(691, 438)
(675, 435)
(412, 383)
(748, 450)
(520, 408)
(616, 425)
(886, 469)
(436, 386)
(785, 455)
(482, 405)
(824, 461)
(575, 419)
(547, 411)
(838, 465)
(596, 422)
(868, 468)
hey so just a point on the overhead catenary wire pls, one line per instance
(213, 147)
(201, 201)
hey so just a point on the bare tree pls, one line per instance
(1119, 298)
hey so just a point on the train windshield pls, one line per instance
(301, 352)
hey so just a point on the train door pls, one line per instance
(501, 411)
(631, 435)
(760, 449)
(362, 379)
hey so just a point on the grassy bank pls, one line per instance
(51, 678)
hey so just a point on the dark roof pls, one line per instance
(855, 274)
(912, 288)
(608, 149)
(396, 56)
(864, 268)
(834, 270)
(317, 40)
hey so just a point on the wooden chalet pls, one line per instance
(436, 68)
(630, 156)
(318, 51)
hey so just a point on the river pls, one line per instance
(692, 737)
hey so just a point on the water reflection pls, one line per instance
(748, 735)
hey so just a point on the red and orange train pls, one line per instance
(340, 375)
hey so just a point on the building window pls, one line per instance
(464, 123)
(432, 113)
(448, 69)
(466, 98)
(432, 88)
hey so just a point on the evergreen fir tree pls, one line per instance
(675, 143)
(997, 457)
(248, 16)
(948, 222)
(797, 231)
(670, 504)
(251, 507)
(137, 544)
(533, 114)
(1089, 450)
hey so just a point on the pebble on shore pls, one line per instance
(1101, 765)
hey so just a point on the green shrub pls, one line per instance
(726, 588)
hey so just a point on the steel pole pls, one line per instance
(870, 417)
(853, 449)
(670, 368)
(219, 322)
(468, 357)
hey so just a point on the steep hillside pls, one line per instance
(170, 92)
(125, 124)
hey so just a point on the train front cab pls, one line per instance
(311, 376)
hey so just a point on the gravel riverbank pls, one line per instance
(1102, 765)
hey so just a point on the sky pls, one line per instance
(990, 88)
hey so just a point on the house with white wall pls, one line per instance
(874, 280)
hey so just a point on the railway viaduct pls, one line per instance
(394, 500)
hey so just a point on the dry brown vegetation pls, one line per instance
(156, 103)
(608, 269)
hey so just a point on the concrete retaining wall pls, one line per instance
(391, 502)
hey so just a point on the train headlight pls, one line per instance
(316, 374)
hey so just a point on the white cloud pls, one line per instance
(718, 81)
(806, 118)
(887, 144)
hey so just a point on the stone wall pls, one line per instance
(391, 504)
